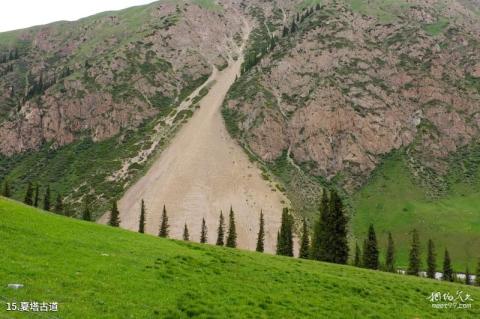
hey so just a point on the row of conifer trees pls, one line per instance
(328, 242)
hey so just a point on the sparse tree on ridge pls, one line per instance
(371, 250)
(6, 191)
(221, 230)
(431, 260)
(232, 231)
(114, 215)
(186, 235)
(203, 234)
(261, 234)
(338, 247)
(364, 249)
(59, 209)
(285, 235)
(414, 257)
(447, 268)
(319, 240)
(36, 196)
(46, 199)
(468, 277)
(305, 244)
(164, 225)
(29, 195)
(390, 257)
(143, 216)
(86, 214)
(357, 262)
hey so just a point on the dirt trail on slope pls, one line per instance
(202, 172)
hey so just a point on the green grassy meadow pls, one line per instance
(94, 271)
(394, 202)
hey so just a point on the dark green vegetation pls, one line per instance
(142, 276)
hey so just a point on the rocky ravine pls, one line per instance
(202, 172)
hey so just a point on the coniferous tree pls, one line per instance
(317, 7)
(203, 234)
(221, 230)
(46, 199)
(164, 225)
(305, 244)
(6, 191)
(293, 28)
(186, 235)
(143, 216)
(431, 260)
(232, 231)
(371, 250)
(36, 196)
(29, 195)
(477, 275)
(261, 234)
(447, 267)
(414, 256)
(59, 205)
(285, 235)
(357, 259)
(319, 239)
(285, 31)
(86, 214)
(338, 244)
(390, 257)
(114, 215)
(364, 255)
(468, 278)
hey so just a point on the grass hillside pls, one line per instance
(94, 271)
(393, 201)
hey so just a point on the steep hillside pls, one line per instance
(350, 83)
(86, 105)
(96, 271)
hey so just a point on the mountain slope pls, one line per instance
(87, 105)
(93, 270)
(350, 84)
(202, 172)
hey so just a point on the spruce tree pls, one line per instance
(232, 231)
(143, 216)
(447, 267)
(319, 239)
(468, 278)
(477, 275)
(364, 255)
(305, 244)
(114, 215)
(36, 195)
(86, 214)
(59, 209)
(164, 225)
(371, 250)
(186, 235)
(285, 235)
(261, 234)
(6, 191)
(414, 256)
(337, 251)
(357, 259)
(46, 199)
(203, 234)
(431, 260)
(390, 257)
(29, 195)
(221, 230)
